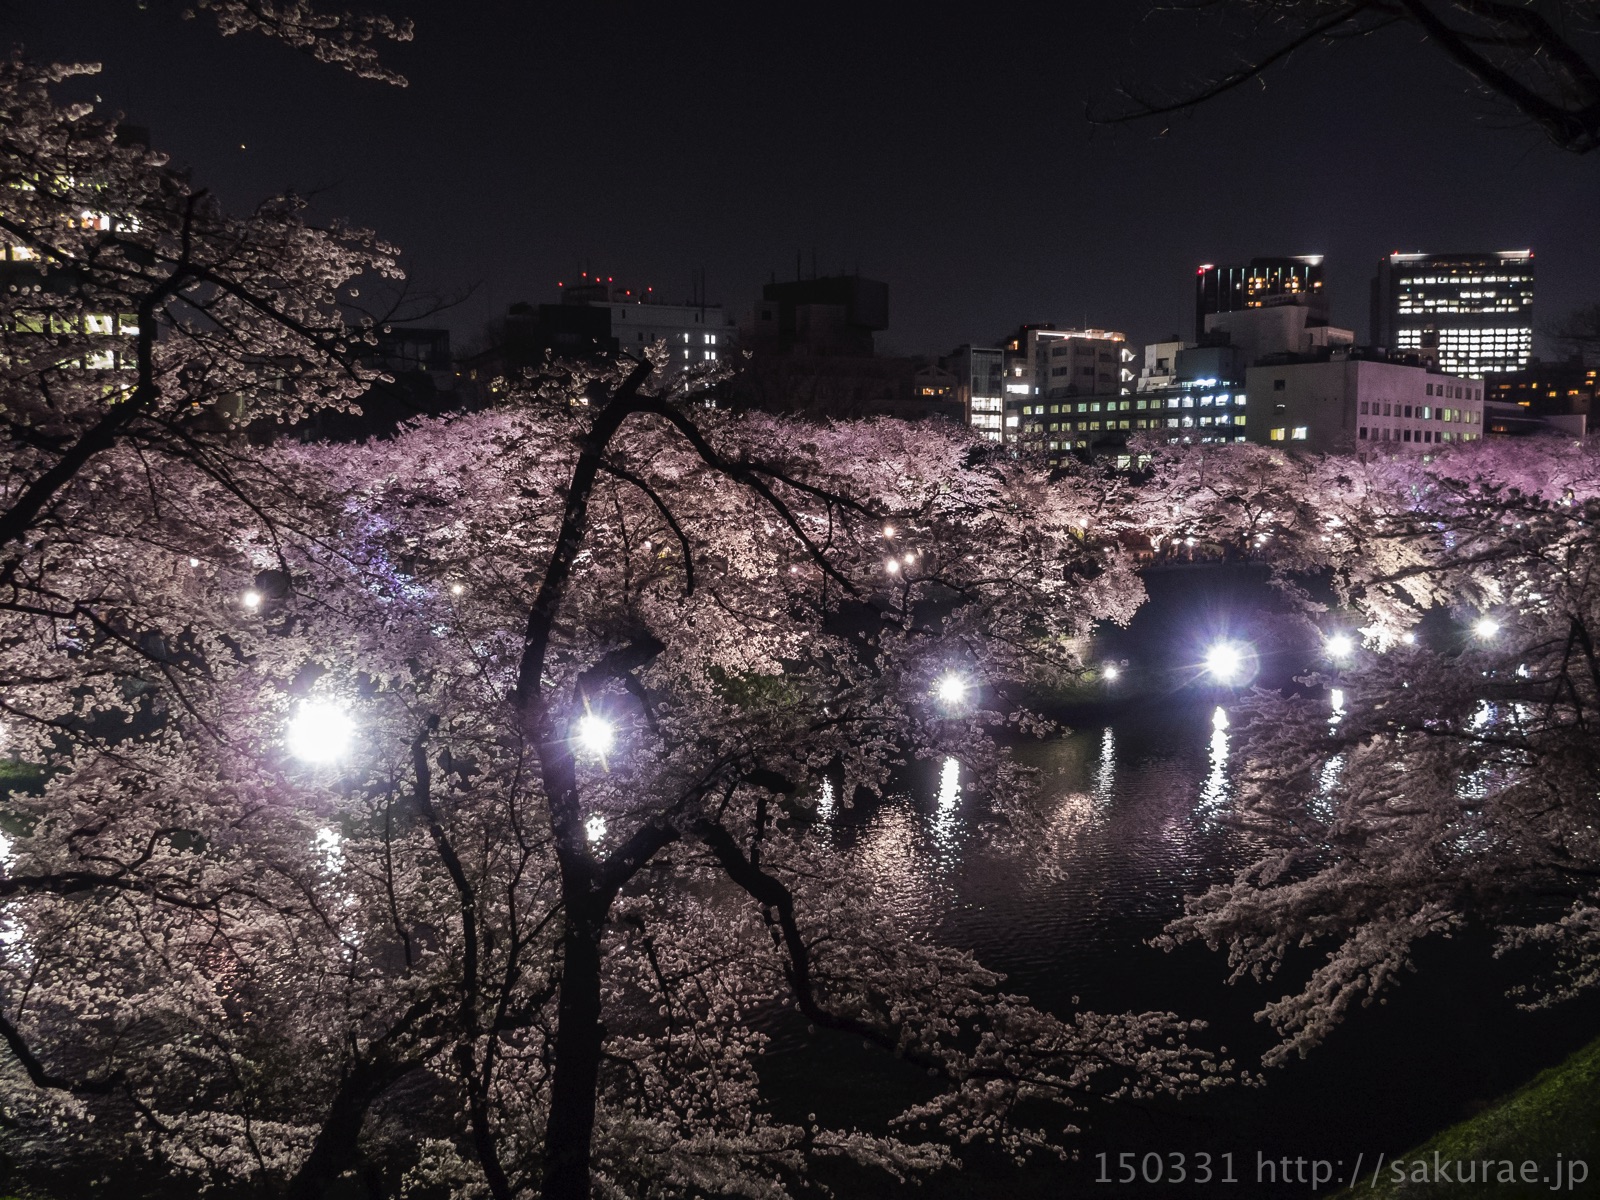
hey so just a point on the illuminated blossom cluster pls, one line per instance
(1457, 780)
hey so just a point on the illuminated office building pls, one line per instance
(1467, 314)
(980, 375)
(1046, 366)
(1264, 282)
(1362, 402)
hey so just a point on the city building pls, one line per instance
(1160, 367)
(600, 317)
(1347, 401)
(1276, 327)
(826, 316)
(980, 388)
(1545, 398)
(1467, 314)
(1569, 388)
(1225, 289)
(812, 351)
(1047, 366)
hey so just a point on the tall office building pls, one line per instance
(1468, 314)
(1264, 282)
(980, 371)
(1045, 365)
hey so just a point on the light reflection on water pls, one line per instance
(1214, 794)
(1127, 826)
(1105, 776)
(946, 819)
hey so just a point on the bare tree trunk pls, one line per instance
(569, 1134)
(336, 1149)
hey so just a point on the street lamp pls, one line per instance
(951, 689)
(1225, 662)
(595, 734)
(319, 732)
(1340, 645)
(1110, 672)
(1486, 627)
(251, 600)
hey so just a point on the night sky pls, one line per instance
(941, 150)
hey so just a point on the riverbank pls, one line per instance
(1551, 1120)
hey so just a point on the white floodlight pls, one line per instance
(595, 734)
(319, 732)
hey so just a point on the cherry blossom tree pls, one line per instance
(1455, 781)
(452, 808)
(601, 653)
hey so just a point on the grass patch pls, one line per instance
(1555, 1113)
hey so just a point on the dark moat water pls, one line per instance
(1133, 827)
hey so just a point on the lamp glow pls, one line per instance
(888, 531)
(457, 588)
(1111, 672)
(1486, 627)
(251, 600)
(319, 732)
(1340, 645)
(952, 689)
(1225, 662)
(892, 566)
(1409, 638)
(595, 734)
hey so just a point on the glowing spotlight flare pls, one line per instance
(1111, 672)
(1225, 662)
(1486, 627)
(595, 734)
(251, 600)
(319, 732)
(952, 689)
(1341, 645)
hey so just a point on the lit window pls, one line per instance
(1278, 434)
(1300, 433)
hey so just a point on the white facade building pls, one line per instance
(1276, 329)
(1160, 369)
(695, 333)
(1348, 405)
